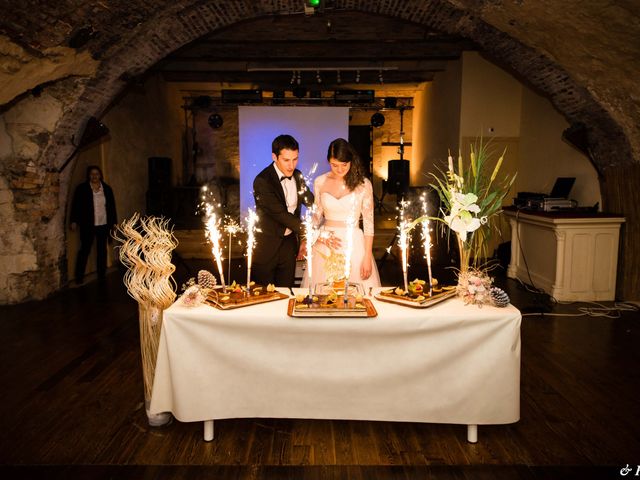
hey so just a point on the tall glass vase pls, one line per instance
(464, 248)
(150, 320)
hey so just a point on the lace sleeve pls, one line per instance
(318, 214)
(367, 208)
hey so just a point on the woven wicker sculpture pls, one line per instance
(146, 246)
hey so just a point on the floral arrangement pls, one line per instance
(334, 266)
(474, 287)
(470, 201)
(195, 292)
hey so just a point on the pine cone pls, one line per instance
(206, 279)
(499, 297)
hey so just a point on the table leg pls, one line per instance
(472, 433)
(208, 430)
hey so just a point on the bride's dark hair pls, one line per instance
(344, 152)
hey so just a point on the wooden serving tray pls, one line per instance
(244, 302)
(426, 303)
(333, 311)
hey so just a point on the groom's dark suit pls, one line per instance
(274, 257)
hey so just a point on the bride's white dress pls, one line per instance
(330, 212)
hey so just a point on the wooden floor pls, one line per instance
(72, 407)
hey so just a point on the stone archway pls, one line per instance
(39, 186)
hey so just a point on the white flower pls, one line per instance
(460, 219)
(192, 297)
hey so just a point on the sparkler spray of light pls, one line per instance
(308, 224)
(426, 237)
(403, 242)
(251, 220)
(308, 229)
(232, 228)
(308, 178)
(351, 221)
(214, 236)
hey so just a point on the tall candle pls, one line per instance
(351, 220)
(308, 229)
(232, 228)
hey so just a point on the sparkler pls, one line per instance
(308, 229)
(403, 243)
(232, 228)
(426, 237)
(351, 220)
(308, 178)
(251, 220)
(308, 223)
(213, 234)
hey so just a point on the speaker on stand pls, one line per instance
(159, 191)
(398, 177)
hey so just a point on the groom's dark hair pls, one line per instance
(284, 142)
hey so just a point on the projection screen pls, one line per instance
(313, 127)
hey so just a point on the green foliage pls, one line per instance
(478, 182)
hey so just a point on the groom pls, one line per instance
(279, 191)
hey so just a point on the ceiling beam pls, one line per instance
(282, 80)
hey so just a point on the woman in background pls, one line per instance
(93, 210)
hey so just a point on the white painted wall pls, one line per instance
(544, 156)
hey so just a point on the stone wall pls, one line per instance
(31, 191)
(580, 63)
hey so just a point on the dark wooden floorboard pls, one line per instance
(72, 404)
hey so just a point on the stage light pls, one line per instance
(377, 119)
(215, 120)
(313, 6)
(299, 92)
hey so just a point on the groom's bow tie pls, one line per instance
(284, 176)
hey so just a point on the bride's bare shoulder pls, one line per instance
(320, 179)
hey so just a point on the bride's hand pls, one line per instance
(366, 267)
(302, 251)
(332, 242)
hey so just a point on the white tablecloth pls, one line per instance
(446, 364)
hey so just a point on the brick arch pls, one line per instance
(195, 19)
(190, 19)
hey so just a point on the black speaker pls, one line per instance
(159, 173)
(353, 96)
(159, 202)
(278, 97)
(397, 177)
(241, 96)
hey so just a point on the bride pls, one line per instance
(342, 196)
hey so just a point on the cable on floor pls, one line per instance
(593, 309)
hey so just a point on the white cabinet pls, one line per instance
(572, 258)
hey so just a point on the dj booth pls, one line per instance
(558, 199)
(571, 255)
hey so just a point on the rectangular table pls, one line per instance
(450, 363)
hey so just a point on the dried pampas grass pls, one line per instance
(146, 246)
